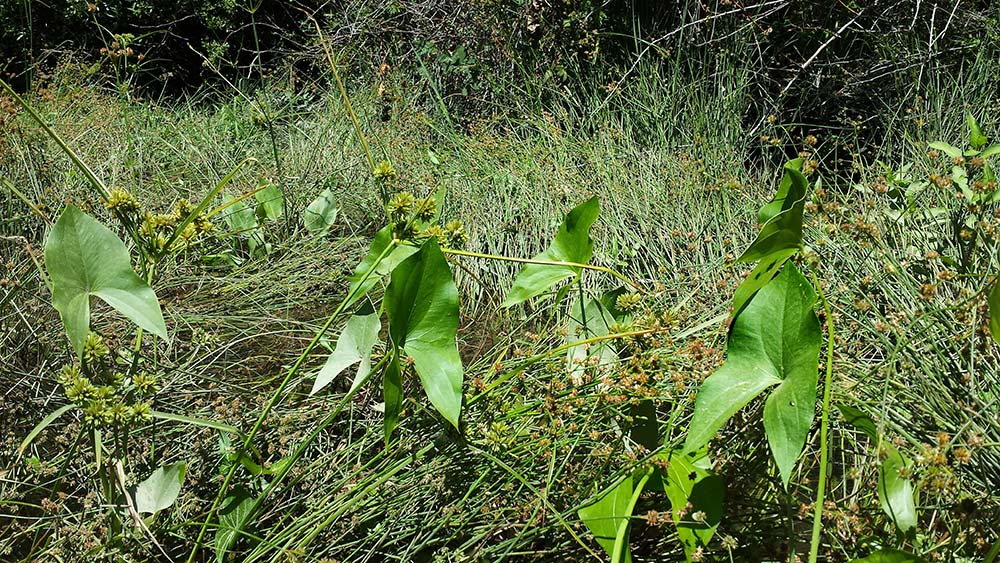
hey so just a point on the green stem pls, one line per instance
(247, 442)
(608, 271)
(94, 180)
(823, 427)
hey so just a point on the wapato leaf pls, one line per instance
(354, 346)
(585, 322)
(788, 193)
(234, 514)
(895, 493)
(779, 239)
(243, 221)
(85, 258)
(774, 341)
(891, 556)
(693, 489)
(361, 285)
(994, 306)
(783, 229)
(422, 307)
(571, 244)
(976, 137)
(270, 201)
(321, 214)
(991, 150)
(611, 512)
(160, 489)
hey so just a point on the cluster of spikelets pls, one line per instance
(158, 229)
(413, 220)
(106, 396)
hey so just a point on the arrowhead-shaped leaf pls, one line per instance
(353, 346)
(571, 244)
(950, 150)
(774, 341)
(422, 307)
(270, 201)
(160, 489)
(693, 489)
(84, 258)
(392, 394)
(321, 214)
(783, 229)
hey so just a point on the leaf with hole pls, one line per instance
(775, 341)
(354, 346)
(160, 489)
(321, 214)
(421, 305)
(696, 500)
(571, 244)
(84, 259)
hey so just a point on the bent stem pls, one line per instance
(823, 427)
(608, 271)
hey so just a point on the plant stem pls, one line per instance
(248, 441)
(824, 425)
(608, 271)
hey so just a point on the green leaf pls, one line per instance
(571, 244)
(321, 214)
(693, 490)
(991, 150)
(160, 489)
(361, 285)
(951, 151)
(895, 492)
(270, 201)
(891, 556)
(243, 221)
(195, 421)
(234, 514)
(774, 341)
(49, 419)
(760, 276)
(783, 229)
(611, 512)
(976, 137)
(353, 347)
(993, 301)
(422, 307)
(84, 258)
(788, 193)
(392, 394)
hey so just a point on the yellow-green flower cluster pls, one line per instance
(158, 228)
(122, 203)
(102, 393)
(413, 221)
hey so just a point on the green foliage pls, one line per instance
(696, 499)
(321, 214)
(84, 259)
(891, 556)
(421, 304)
(774, 341)
(160, 489)
(571, 244)
(234, 516)
(609, 516)
(895, 492)
(353, 347)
